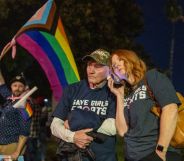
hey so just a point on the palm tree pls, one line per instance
(174, 14)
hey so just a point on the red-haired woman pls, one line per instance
(146, 137)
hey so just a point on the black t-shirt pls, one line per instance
(143, 133)
(100, 101)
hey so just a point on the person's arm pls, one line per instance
(20, 146)
(108, 127)
(167, 126)
(165, 96)
(58, 129)
(80, 138)
(121, 124)
(4, 91)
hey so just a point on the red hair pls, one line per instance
(133, 64)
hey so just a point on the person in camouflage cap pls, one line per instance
(94, 97)
(99, 59)
(101, 56)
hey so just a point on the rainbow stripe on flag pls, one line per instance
(43, 36)
(26, 112)
(54, 56)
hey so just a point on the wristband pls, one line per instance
(161, 148)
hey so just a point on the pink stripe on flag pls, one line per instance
(34, 49)
(38, 15)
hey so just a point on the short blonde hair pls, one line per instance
(133, 64)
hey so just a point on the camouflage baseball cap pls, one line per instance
(101, 56)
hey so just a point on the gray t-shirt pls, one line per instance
(142, 135)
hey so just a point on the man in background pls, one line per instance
(14, 127)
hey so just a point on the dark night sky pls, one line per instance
(157, 39)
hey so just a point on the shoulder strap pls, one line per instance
(150, 92)
(155, 109)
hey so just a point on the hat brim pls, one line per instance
(89, 57)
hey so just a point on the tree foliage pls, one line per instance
(174, 11)
(13, 15)
(89, 25)
(107, 24)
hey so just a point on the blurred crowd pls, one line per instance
(39, 131)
